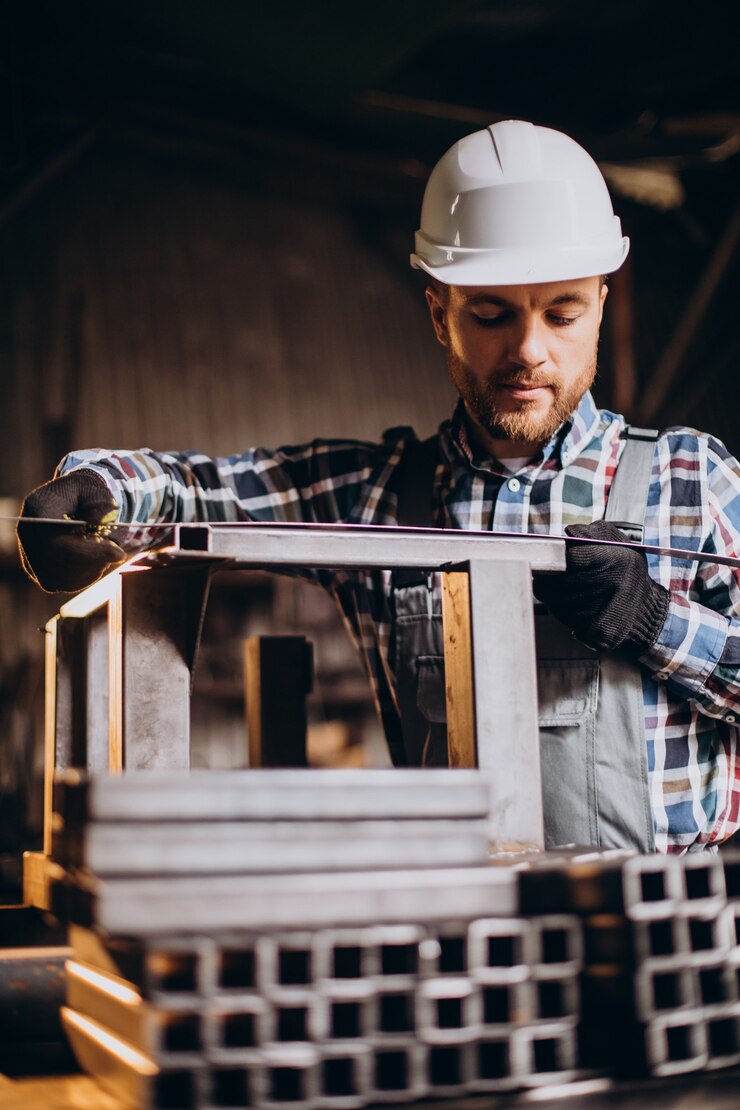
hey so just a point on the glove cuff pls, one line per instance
(649, 620)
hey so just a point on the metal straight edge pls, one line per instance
(340, 546)
(274, 795)
(143, 907)
(246, 847)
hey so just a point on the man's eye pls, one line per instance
(491, 321)
(561, 321)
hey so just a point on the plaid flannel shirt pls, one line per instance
(690, 677)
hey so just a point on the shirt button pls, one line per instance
(731, 718)
(514, 484)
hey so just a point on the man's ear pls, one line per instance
(438, 312)
(602, 297)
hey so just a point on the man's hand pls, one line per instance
(68, 558)
(606, 596)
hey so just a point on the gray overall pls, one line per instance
(592, 733)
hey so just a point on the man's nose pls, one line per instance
(528, 343)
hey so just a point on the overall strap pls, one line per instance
(629, 491)
(415, 492)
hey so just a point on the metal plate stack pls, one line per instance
(365, 952)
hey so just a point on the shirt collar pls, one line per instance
(567, 442)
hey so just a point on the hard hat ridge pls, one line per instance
(517, 203)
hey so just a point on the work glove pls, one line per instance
(606, 596)
(59, 557)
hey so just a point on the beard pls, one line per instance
(525, 422)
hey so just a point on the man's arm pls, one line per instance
(697, 651)
(324, 481)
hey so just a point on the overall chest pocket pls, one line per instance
(568, 693)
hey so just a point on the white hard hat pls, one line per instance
(517, 204)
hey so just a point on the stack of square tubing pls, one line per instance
(660, 987)
(304, 939)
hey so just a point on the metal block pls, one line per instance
(653, 886)
(676, 1043)
(501, 950)
(291, 1076)
(169, 1037)
(723, 1036)
(398, 1071)
(273, 795)
(345, 1074)
(545, 1053)
(493, 1065)
(127, 1073)
(559, 942)
(505, 1005)
(664, 986)
(448, 1011)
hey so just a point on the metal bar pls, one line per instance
(274, 795)
(458, 648)
(505, 689)
(343, 546)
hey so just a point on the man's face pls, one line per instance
(520, 356)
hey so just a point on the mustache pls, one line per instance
(519, 375)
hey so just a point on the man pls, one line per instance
(638, 659)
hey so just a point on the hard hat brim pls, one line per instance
(459, 266)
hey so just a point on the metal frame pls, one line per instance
(120, 654)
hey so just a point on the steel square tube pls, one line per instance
(730, 860)
(445, 950)
(359, 546)
(296, 1015)
(291, 1076)
(663, 936)
(351, 1009)
(545, 1053)
(557, 997)
(662, 987)
(288, 959)
(345, 955)
(236, 1028)
(710, 931)
(244, 964)
(653, 886)
(506, 1005)
(448, 1010)
(345, 1073)
(716, 985)
(559, 942)
(232, 1087)
(704, 880)
(398, 1071)
(450, 1069)
(180, 967)
(723, 1036)
(501, 949)
(676, 1043)
(394, 1002)
(493, 1066)
(397, 949)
